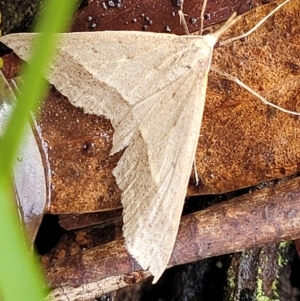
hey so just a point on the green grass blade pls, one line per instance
(20, 276)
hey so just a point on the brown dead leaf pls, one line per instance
(78, 151)
(78, 148)
(154, 15)
(244, 142)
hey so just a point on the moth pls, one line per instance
(152, 88)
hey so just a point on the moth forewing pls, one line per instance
(153, 173)
(156, 108)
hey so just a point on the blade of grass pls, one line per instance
(20, 276)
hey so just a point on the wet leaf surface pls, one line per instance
(154, 15)
(30, 181)
(244, 142)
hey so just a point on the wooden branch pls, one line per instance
(92, 290)
(266, 216)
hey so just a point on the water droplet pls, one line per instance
(88, 145)
(193, 20)
(207, 16)
(134, 20)
(145, 27)
(93, 26)
(244, 39)
(104, 5)
(168, 29)
(73, 173)
(173, 14)
(95, 120)
(146, 18)
(89, 18)
(150, 22)
(177, 3)
(45, 144)
(142, 15)
(88, 148)
(292, 213)
(115, 3)
(126, 23)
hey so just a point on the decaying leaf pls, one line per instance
(244, 142)
(154, 15)
(78, 151)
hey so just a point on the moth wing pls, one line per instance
(152, 87)
(106, 73)
(154, 171)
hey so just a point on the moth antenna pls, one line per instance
(243, 85)
(202, 16)
(196, 173)
(230, 22)
(235, 79)
(217, 33)
(256, 26)
(183, 22)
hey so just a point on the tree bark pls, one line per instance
(265, 216)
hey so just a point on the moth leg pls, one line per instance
(256, 26)
(182, 19)
(196, 173)
(241, 84)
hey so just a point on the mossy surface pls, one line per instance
(17, 15)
